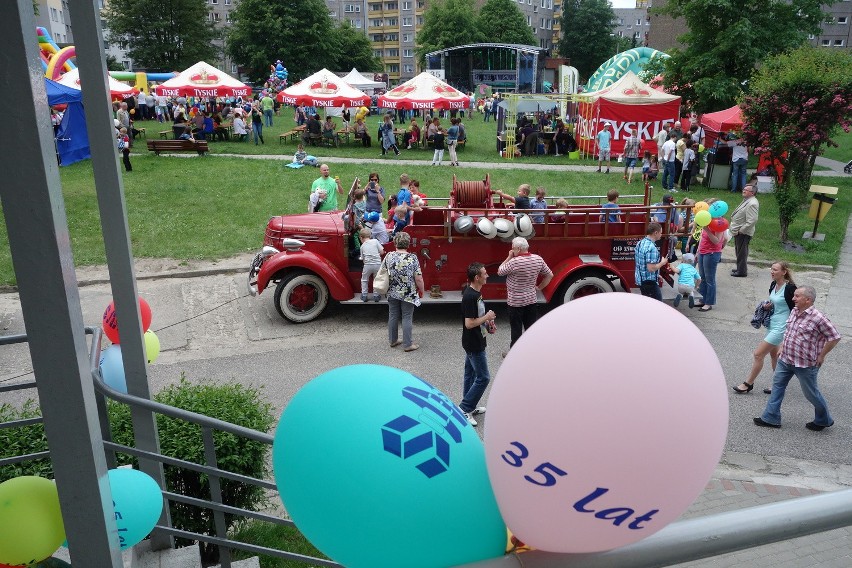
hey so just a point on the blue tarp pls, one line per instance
(72, 139)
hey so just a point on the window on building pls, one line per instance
(408, 68)
(549, 24)
(407, 21)
(215, 16)
(529, 21)
(843, 20)
(392, 22)
(541, 23)
(234, 68)
(406, 5)
(392, 6)
(376, 23)
(408, 53)
(391, 37)
(421, 4)
(838, 43)
(228, 16)
(227, 2)
(393, 68)
(375, 7)
(392, 53)
(126, 63)
(61, 16)
(357, 23)
(419, 20)
(214, 1)
(377, 53)
(406, 38)
(352, 8)
(826, 42)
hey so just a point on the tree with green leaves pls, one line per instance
(727, 40)
(502, 22)
(447, 23)
(162, 34)
(298, 32)
(354, 49)
(797, 102)
(587, 34)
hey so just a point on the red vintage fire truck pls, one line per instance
(307, 256)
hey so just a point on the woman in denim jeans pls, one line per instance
(404, 292)
(710, 254)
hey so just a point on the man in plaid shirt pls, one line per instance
(808, 339)
(648, 262)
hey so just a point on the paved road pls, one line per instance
(210, 330)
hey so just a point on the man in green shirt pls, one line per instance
(331, 186)
(268, 106)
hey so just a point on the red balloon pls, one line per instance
(718, 224)
(110, 322)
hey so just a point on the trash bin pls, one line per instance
(820, 204)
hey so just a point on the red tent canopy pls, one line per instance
(627, 103)
(203, 80)
(723, 120)
(323, 89)
(423, 92)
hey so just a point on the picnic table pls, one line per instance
(292, 134)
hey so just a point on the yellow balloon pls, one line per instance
(700, 206)
(703, 218)
(31, 527)
(152, 346)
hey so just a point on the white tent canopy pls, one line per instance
(359, 81)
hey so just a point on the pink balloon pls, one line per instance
(614, 442)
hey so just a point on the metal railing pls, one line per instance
(683, 541)
(209, 468)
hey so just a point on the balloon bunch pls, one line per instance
(589, 477)
(31, 526)
(111, 363)
(711, 215)
(277, 77)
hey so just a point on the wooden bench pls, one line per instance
(291, 134)
(164, 134)
(158, 146)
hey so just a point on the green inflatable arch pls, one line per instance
(613, 68)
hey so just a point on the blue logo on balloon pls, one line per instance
(426, 435)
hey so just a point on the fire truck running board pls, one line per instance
(446, 298)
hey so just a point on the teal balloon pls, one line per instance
(379, 469)
(138, 502)
(718, 209)
(112, 368)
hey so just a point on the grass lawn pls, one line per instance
(843, 152)
(275, 536)
(211, 208)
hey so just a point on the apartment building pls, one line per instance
(53, 16)
(837, 32)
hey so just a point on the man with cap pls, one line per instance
(743, 223)
(604, 138)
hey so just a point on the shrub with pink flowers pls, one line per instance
(797, 101)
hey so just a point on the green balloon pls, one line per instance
(31, 527)
(152, 345)
(703, 218)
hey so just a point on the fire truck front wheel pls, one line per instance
(579, 285)
(301, 297)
